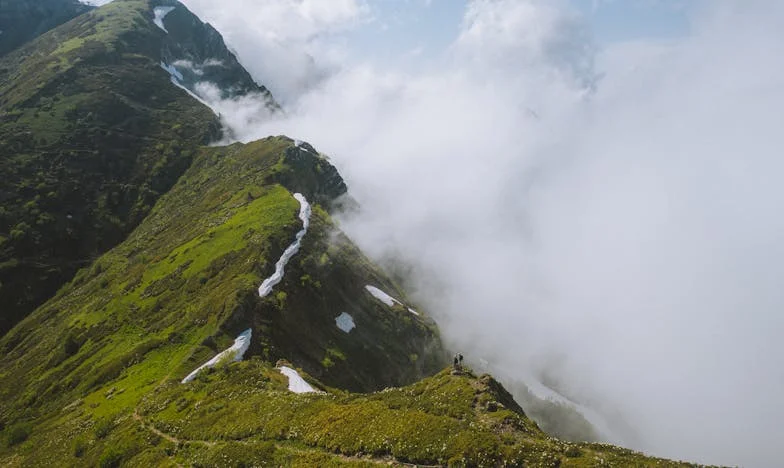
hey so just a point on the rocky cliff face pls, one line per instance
(312, 175)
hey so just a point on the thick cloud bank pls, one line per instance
(284, 42)
(607, 221)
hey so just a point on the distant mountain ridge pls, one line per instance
(198, 53)
(24, 20)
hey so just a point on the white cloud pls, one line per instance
(625, 243)
(528, 36)
(284, 43)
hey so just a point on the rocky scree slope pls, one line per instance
(92, 132)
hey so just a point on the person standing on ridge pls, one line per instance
(457, 363)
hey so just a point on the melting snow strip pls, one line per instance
(172, 70)
(296, 383)
(193, 95)
(160, 14)
(235, 353)
(386, 298)
(382, 296)
(280, 266)
(345, 322)
(176, 77)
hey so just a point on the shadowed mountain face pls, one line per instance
(198, 53)
(92, 132)
(24, 20)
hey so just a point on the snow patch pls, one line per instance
(304, 215)
(387, 299)
(345, 322)
(160, 14)
(176, 77)
(382, 296)
(172, 70)
(296, 383)
(235, 353)
(299, 143)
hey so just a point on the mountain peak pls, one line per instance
(200, 57)
(95, 131)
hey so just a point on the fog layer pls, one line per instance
(605, 220)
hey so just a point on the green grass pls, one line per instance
(445, 419)
(183, 284)
(91, 129)
(243, 415)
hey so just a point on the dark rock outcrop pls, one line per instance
(310, 173)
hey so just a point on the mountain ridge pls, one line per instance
(92, 132)
(94, 374)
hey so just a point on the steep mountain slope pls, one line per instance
(200, 57)
(24, 20)
(186, 282)
(92, 132)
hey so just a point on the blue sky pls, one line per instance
(423, 28)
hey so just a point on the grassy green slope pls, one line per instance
(243, 415)
(184, 284)
(92, 132)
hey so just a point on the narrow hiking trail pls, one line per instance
(178, 442)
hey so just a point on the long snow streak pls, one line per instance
(386, 298)
(382, 296)
(176, 78)
(172, 70)
(296, 383)
(234, 353)
(280, 266)
(160, 14)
